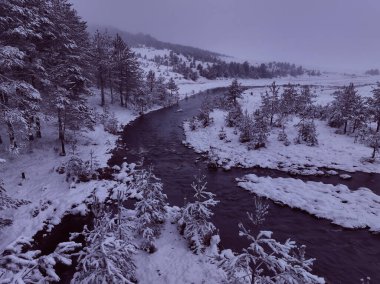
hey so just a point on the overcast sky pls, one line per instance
(335, 34)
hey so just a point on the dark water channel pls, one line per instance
(343, 256)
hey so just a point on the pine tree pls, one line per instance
(107, 257)
(270, 103)
(346, 102)
(259, 130)
(304, 102)
(151, 80)
(173, 89)
(101, 56)
(68, 69)
(266, 260)
(126, 70)
(289, 100)
(307, 132)
(194, 220)
(234, 92)
(150, 210)
(374, 106)
(234, 116)
(24, 31)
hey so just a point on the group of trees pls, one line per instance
(117, 68)
(353, 114)
(44, 63)
(47, 64)
(191, 68)
(245, 70)
(274, 111)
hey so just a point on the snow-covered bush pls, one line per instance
(150, 210)
(307, 133)
(194, 218)
(283, 137)
(195, 123)
(268, 261)
(77, 169)
(107, 258)
(20, 265)
(111, 124)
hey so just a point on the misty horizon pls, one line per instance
(330, 35)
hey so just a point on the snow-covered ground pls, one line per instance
(334, 151)
(350, 209)
(174, 263)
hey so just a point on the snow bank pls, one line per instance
(344, 207)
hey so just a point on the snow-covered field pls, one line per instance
(350, 209)
(334, 151)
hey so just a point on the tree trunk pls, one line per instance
(345, 127)
(1, 140)
(30, 129)
(378, 125)
(38, 128)
(374, 153)
(61, 133)
(102, 90)
(11, 134)
(111, 87)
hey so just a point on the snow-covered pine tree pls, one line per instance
(161, 92)
(246, 128)
(307, 132)
(204, 112)
(288, 100)
(234, 92)
(22, 72)
(150, 210)
(270, 102)
(234, 116)
(20, 265)
(374, 106)
(101, 60)
(304, 102)
(173, 91)
(106, 258)
(260, 131)
(194, 221)
(68, 65)
(126, 70)
(268, 261)
(151, 80)
(345, 103)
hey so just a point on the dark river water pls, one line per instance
(343, 256)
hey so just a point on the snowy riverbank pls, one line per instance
(348, 208)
